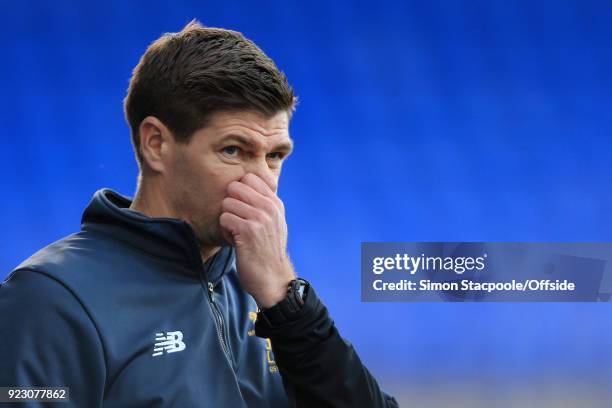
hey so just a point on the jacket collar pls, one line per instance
(169, 238)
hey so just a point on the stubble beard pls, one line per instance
(208, 233)
(204, 223)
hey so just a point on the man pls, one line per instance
(185, 296)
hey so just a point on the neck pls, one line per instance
(208, 252)
(149, 200)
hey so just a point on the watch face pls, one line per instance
(289, 306)
(299, 286)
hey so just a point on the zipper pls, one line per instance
(219, 325)
(219, 321)
(218, 317)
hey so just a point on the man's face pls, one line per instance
(230, 146)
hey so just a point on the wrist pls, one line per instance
(273, 296)
(290, 306)
(268, 292)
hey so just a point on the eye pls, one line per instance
(276, 155)
(231, 151)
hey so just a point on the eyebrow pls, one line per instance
(285, 147)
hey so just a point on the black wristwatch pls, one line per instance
(297, 290)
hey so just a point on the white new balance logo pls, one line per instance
(170, 343)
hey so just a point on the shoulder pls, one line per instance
(38, 310)
(68, 252)
(38, 299)
(47, 335)
(80, 262)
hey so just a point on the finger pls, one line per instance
(259, 184)
(239, 208)
(227, 237)
(246, 193)
(231, 222)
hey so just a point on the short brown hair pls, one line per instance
(185, 77)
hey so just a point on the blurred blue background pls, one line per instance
(418, 121)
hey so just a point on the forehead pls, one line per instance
(249, 123)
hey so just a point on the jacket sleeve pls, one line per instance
(48, 340)
(319, 368)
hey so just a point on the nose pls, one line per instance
(261, 169)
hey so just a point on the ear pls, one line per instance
(156, 142)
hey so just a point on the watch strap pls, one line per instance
(289, 307)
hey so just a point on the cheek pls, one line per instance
(222, 176)
(205, 181)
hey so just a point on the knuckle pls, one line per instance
(223, 219)
(264, 218)
(261, 217)
(253, 227)
(233, 187)
(269, 206)
(250, 178)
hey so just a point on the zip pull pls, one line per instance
(211, 287)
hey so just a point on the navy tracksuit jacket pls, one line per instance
(126, 314)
